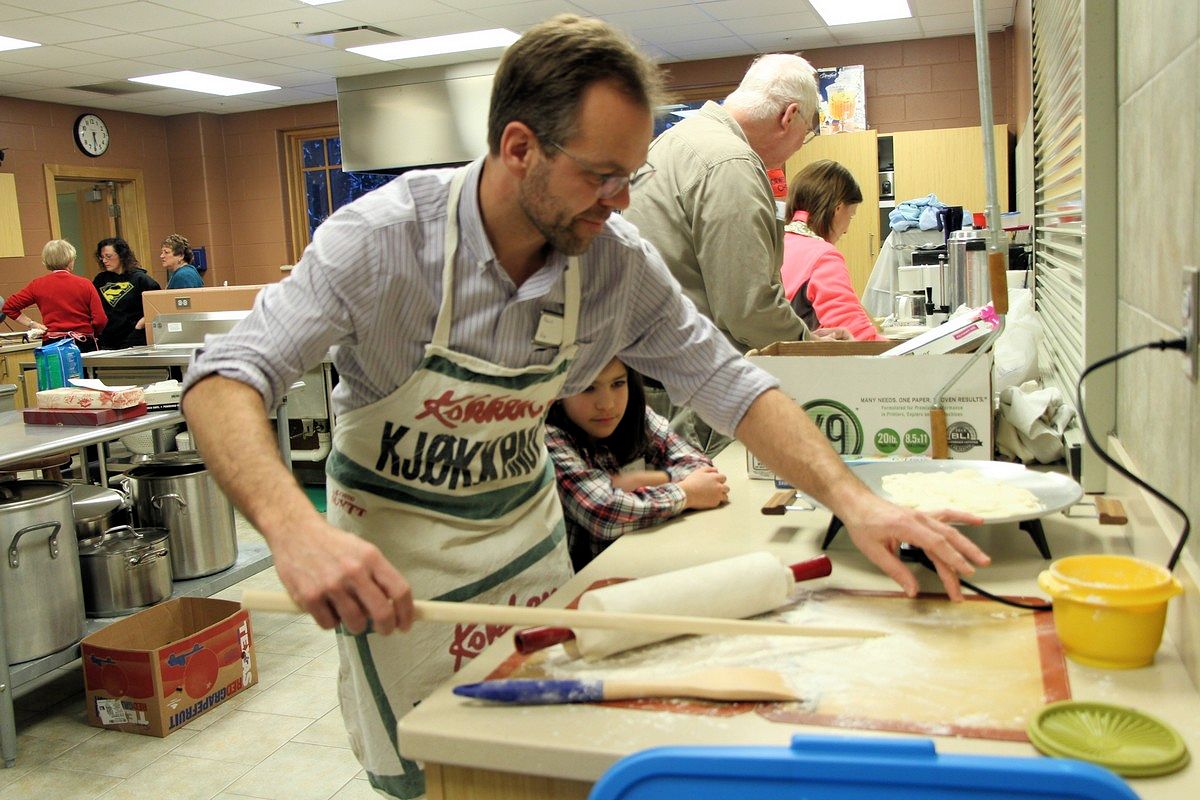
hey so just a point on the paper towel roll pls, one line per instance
(733, 588)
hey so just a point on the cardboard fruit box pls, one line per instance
(154, 671)
(870, 407)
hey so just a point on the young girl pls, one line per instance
(619, 467)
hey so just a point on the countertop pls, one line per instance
(16, 346)
(580, 742)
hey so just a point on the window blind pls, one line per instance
(1074, 230)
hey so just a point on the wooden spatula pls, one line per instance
(724, 683)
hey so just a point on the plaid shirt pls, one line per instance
(596, 513)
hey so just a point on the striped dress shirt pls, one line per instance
(369, 288)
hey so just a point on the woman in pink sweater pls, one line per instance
(821, 202)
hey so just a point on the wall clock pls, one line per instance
(91, 135)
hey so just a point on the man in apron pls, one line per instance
(459, 304)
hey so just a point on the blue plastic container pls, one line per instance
(846, 768)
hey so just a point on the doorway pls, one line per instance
(88, 204)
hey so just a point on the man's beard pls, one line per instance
(537, 204)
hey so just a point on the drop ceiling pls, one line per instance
(102, 43)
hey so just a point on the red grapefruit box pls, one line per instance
(154, 671)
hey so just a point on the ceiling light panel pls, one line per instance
(203, 82)
(840, 12)
(438, 45)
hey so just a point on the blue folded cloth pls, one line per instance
(920, 212)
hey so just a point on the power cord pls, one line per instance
(1163, 344)
(916, 554)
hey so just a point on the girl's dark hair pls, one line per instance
(817, 189)
(628, 442)
(128, 260)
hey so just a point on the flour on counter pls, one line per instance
(964, 490)
(941, 663)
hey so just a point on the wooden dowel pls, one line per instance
(439, 611)
(938, 433)
(998, 278)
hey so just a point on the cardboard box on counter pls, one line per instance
(194, 301)
(879, 407)
(154, 671)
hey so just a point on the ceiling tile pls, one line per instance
(127, 45)
(708, 48)
(657, 18)
(602, 7)
(740, 9)
(303, 19)
(323, 61)
(208, 34)
(685, 33)
(272, 48)
(136, 17)
(230, 9)
(372, 10)
(60, 6)
(437, 24)
(525, 15)
(54, 30)
(892, 30)
(790, 41)
(199, 60)
(52, 57)
(778, 22)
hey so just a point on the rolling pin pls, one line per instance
(656, 626)
(531, 640)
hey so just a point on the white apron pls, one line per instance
(450, 478)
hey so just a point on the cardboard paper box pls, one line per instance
(154, 671)
(194, 301)
(879, 407)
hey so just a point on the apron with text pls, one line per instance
(450, 478)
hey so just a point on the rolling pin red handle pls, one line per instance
(530, 640)
(817, 567)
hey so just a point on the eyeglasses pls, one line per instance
(607, 184)
(808, 137)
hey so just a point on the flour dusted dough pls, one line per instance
(733, 588)
(964, 490)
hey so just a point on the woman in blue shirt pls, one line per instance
(176, 256)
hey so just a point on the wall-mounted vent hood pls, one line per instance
(415, 117)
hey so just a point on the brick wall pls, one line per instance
(915, 85)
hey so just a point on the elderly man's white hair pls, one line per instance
(772, 83)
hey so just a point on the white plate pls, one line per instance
(1054, 491)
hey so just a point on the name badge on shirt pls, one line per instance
(549, 330)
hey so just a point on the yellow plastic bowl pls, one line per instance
(1109, 610)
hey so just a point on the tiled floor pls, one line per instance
(281, 739)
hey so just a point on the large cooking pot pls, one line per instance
(175, 491)
(97, 509)
(41, 596)
(124, 569)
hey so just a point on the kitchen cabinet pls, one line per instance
(858, 152)
(945, 162)
(949, 163)
(11, 371)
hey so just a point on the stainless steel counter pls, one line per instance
(19, 441)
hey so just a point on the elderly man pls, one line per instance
(711, 213)
(460, 303)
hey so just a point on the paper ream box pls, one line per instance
(871, 407)
(76, 397)
(154, 671)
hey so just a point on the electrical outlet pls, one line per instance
(183, 302)
(1191, 319)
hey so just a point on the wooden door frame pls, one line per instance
(131, 196)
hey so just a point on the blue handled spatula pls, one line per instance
(728, 683)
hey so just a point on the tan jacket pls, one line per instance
(710, 212)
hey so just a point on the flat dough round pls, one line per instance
(963, 490)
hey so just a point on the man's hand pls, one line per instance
(338, 577)
(881, 527)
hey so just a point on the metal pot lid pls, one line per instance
(15, 494)
(165, 465)
(121, 540)
(90, 502)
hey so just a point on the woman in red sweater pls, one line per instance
(69, 303)
(821, 202)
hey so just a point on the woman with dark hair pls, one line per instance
(821, 203)
(619, 467)
(121, 283)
